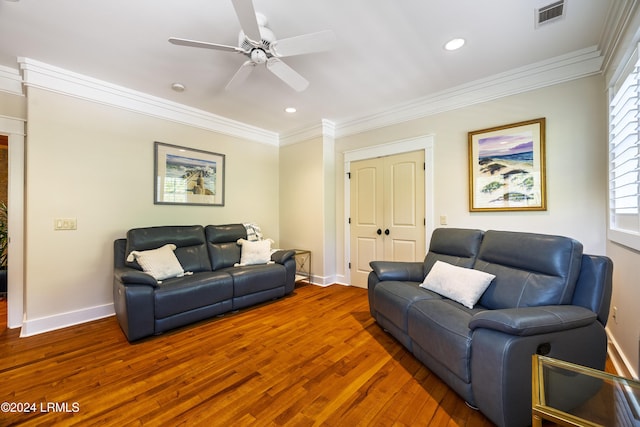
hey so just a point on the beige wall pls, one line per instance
(301, 200)
(576, 171)
(625, 328)
(575, 153)
(95, 163)
(14, 106)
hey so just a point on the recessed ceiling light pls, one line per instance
(178, 87)
(290, 110)
(454, 44)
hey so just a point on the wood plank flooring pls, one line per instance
(313, 358)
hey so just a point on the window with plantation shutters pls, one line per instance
(624, 156)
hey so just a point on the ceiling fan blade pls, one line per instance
(287, 74)
(306, 43)
(247, 17)
(207, 45)
(241, 75)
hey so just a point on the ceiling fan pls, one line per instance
(259, 44)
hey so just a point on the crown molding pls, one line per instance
(575, 65)
(619, 16)
(578, 64)
(10, 81)
(302, 134)
(44, 76)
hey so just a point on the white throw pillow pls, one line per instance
(161, 263)
(463, 285)
(255, 252)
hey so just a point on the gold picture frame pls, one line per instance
(507, 168)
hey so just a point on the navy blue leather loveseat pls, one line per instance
(214, 283)
(546, 297)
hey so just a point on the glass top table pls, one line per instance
(573, 395)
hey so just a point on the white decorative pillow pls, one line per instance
(161, 263)
(463, 285)
(255, 252)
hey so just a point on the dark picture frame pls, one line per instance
(507, 167)
(187, 176)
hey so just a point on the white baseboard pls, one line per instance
(58, 321)
(619, 360)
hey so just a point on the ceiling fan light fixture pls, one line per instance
(454, 44)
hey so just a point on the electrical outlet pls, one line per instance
(65, 224)
(443, 220)
(615, 314)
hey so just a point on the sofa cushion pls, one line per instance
(463, 285)
(161, 263)
(530, 269)
(256, 278)
(191, 249)
(394, 298)
(224, 250)
(454, 246)
(441, 328)
(179, 295)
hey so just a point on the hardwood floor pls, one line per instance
(313, 358)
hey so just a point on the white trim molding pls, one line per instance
(426, 143)
(574, 65)
(582, 63)
(10, 80)
(44, 76)
(15, 130)
(63, 320)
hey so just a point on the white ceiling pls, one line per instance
(388, 52)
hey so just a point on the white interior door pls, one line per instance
(367, 211)
(404, 218)
(387, 211)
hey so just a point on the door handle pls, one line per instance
(379, 232)
(386, 232)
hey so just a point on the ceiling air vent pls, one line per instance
(549, 13)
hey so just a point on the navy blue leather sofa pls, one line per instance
(145, 307)
(547, 297)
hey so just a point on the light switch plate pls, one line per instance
(65, 224)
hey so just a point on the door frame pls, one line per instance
(426, 143)
(14, 129)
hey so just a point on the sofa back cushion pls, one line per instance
(530, 269)
(191, 248)
(594, 285)
(456, 246)
(224, 251)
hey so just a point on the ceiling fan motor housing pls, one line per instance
(267, 37)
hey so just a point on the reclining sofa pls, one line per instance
(546, 297)
(212, 284)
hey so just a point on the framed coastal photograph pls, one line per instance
(507, 169)
(186, 176)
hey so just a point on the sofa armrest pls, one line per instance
(398, 270)
(281, 256)
(131, 276)
(533, 320)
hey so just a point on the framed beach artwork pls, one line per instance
(185, 176)
(506, 168)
